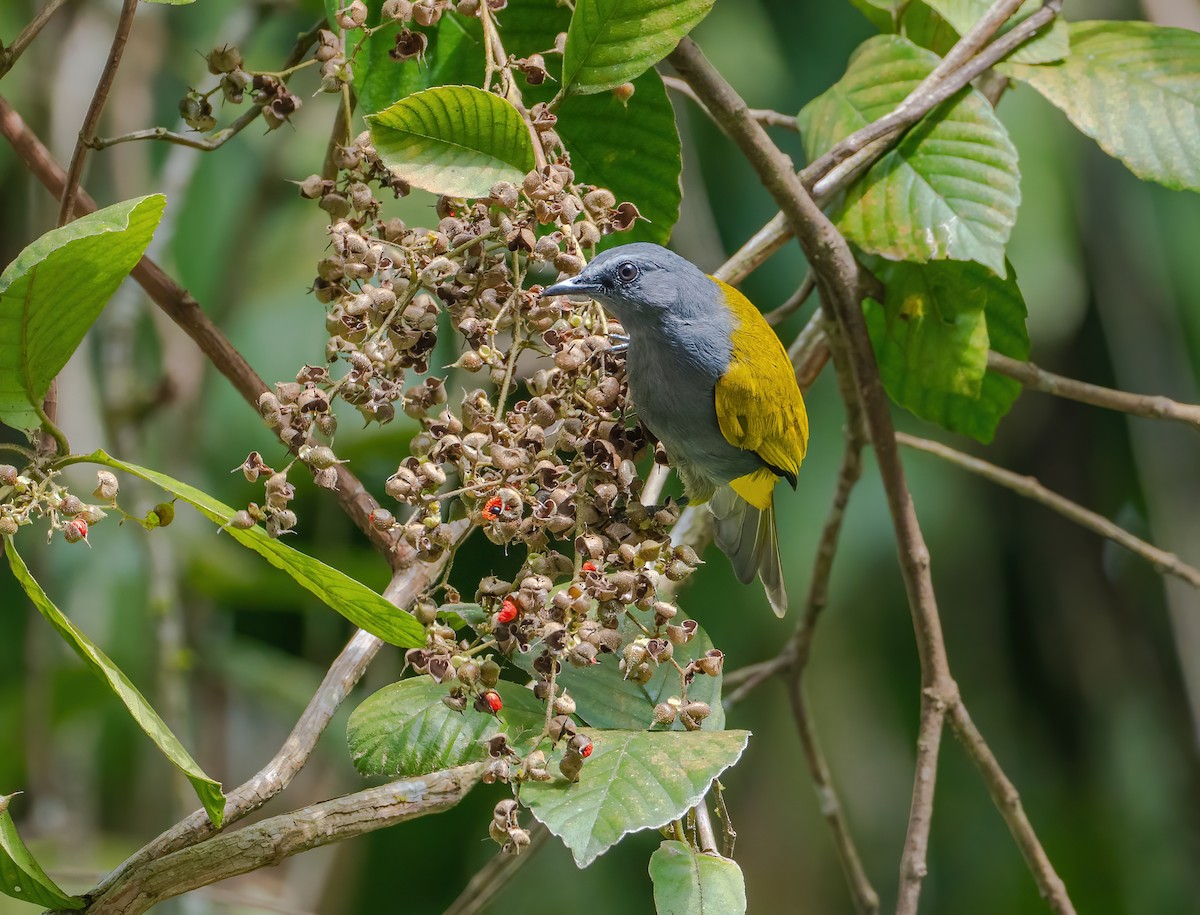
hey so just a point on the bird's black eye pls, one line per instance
(627, 272)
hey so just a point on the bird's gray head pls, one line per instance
(642, 284)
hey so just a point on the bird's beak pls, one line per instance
(576, 285)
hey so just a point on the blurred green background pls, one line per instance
(1078, 664)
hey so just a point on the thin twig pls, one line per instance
(764, 116)
(495, 875)
(9, 55)
(66, 210)
(1163, 562)
(778, 315)
(270, 841)
(304, 41)
(1149, 405)
(1008, 802)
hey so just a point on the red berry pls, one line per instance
(492, 698)
(75, 530)
(589, 566)
(493, 507)
(586, 751)
(508, 611)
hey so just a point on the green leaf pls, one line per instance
(605, 699)
(948, 190)
(631, 149)
(453, 140)
(352, 599)
(405, 729)
(922, 26)
(883, 14)
(611, 42)
(687, 882)
(1050, 44)
(454, 56)
(633, 780)
(21, 877)
(208, 790)
(933, 363)
(55, 289)
(1133, 88)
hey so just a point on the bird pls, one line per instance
(710, 379)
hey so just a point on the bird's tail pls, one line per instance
(748, 537)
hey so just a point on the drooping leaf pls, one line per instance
(633, 780)
(1134, 88)
(207, 789)
(1050, 44)
(883, 14)
(687, 882)
(922, 26)
(947, 191)
(931, 361)
(406, 729)
(611, 42)
(55, 289)
(454, 56)
(454, 140)
(632, 149)
(605, 699)
(352, 599)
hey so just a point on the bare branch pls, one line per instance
(1163, 562)
(792, 305)
(1149, 405)
(91, 119)
(764, 116)
(479, 894)
(270, 841)
(10, 55)
(1008, 802)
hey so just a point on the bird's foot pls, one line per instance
(620, 343)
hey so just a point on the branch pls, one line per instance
(276, 775)
(1151, 406)
(493, 876)
(866, 145)
(270, 841)
(777, 316)
(1008, 802)
(304, 41)
(10, 55)
(181, 308)
(66, 210)
(764, 116)
(1165, 563)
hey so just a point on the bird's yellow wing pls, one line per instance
(759, 405)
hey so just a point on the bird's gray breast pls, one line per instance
(672, 382)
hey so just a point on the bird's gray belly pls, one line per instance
(676, 402)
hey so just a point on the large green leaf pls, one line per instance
(208, 790)
(632, 149)
(611, 42)
(55, 289)
(687, 882)
(931, 337)
(948, 190)
(1050, 44)
(454, 140)
(605, 699)
(352, 599)
(20, 875)
(922, 26)
(406, 729)
(633, 780)
(1134, 88)
(454, 57)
